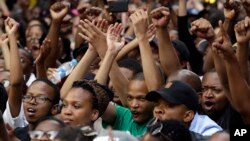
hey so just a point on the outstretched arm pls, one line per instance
(242, 31)
(58, 11)
(114, 46)
(240, 91)
(16, 77)
(151, 72)
(82, 67)
(160, 18)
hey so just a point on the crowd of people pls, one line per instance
(163, 70)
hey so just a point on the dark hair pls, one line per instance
(3, 97)
(53, 86)
(130, 64)
(101, 95)
(49, 118)
(173, 129)
(73, 134)
(139, 76)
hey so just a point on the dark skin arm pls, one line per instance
(40, 60)
(58, 11)
(160, 18)
(151, 72)
(242, 31)
(240, 91)
(16, 77)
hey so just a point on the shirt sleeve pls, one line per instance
(14, 122)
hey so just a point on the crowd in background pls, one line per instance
(162, 70)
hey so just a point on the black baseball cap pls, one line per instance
(176, 92)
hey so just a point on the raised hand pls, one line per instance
(102, 25)
(223, 46)
(203, 29)
(44, 51)
(160, 17)
(140, 23)
(242, 31)
(231, 7)
(11, 26)
(114, 42)
(91, 33)
(59, 10)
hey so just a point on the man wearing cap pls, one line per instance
(178, 101)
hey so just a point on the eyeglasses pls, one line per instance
(39, 134)
(38, 99)
(155, 127)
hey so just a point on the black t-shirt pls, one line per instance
(229, 119)
(22, 133)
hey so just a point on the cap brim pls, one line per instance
(154, 96)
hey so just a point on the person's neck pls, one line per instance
(31, 126)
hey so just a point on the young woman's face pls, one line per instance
(77, 108)
(33, 35)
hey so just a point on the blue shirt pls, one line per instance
(203, 125)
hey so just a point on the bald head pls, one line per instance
(189, 77)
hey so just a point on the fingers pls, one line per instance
(222, 30)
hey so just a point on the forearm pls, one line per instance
(6, 56)
(16, 76)
(53, 35)
(127, 48)
(151, 72)
(79, 71)
(182, 10)
(228, 26)
(4, 7)
(238, 86)
(222, 73)
(242, 56)
(208, 61)
(120, 83)
(41, 71)
(168, 57)
(103, 72)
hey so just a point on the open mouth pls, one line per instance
(135, 114)
(31, 111)
(209, 105)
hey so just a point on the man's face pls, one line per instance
(34, 109)
(213, 98)
(140, 108)
(77, 108)
(166, 111)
